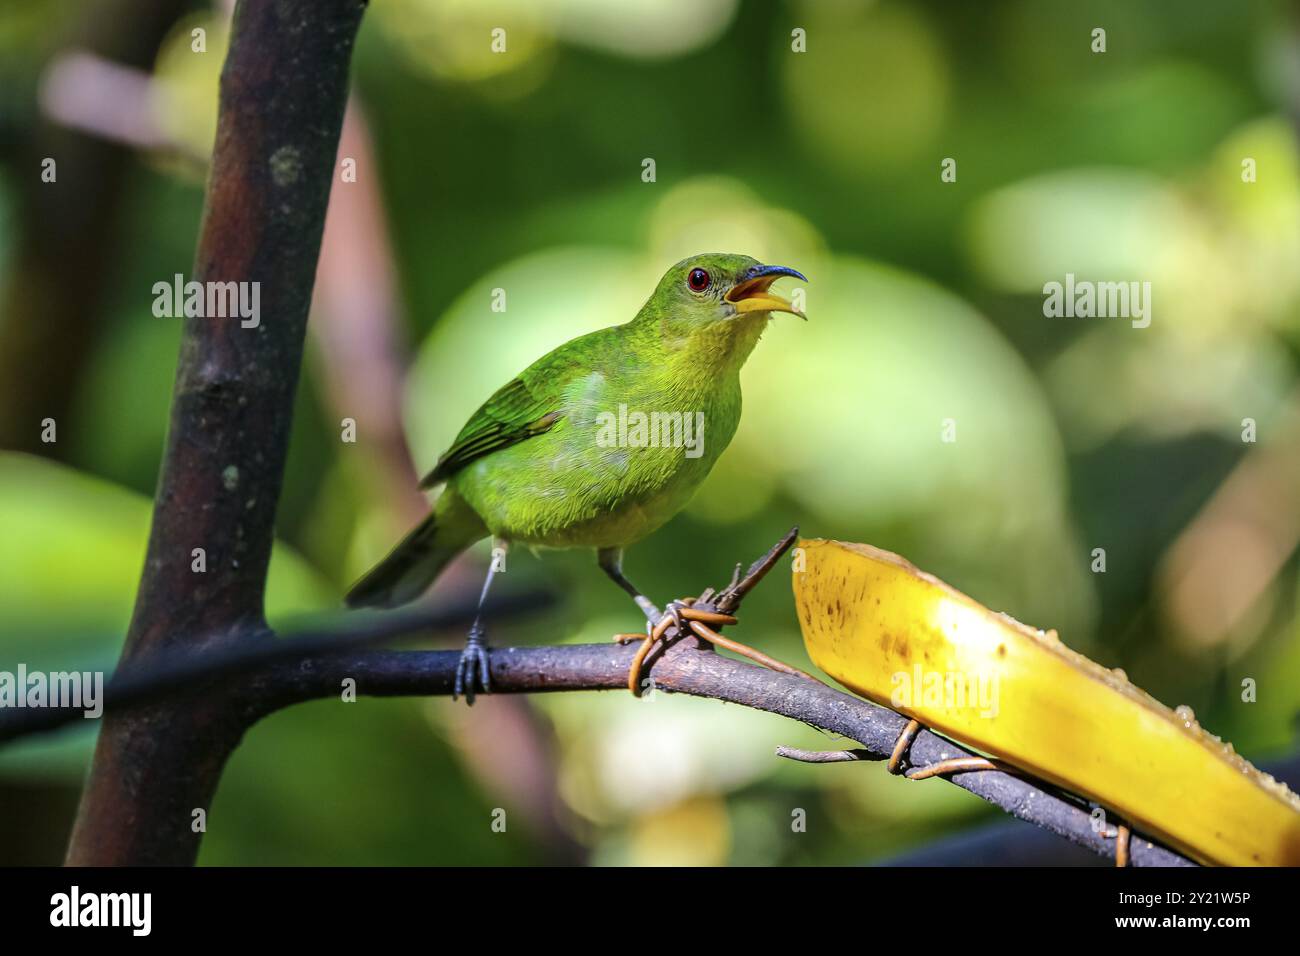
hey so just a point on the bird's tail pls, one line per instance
(417, 560)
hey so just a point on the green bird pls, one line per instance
(596, 444)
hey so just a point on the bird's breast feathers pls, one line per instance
(625, 455)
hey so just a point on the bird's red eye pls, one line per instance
(698, 280)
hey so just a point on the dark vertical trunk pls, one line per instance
(283, 90)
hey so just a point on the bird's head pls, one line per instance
(720, 287)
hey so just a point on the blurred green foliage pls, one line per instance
(523, 172)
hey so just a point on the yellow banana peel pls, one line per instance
(906, 640)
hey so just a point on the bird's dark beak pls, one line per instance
(750, 293)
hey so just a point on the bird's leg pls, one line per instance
(475, 655)
(611, 562)
(675, 614)
(703, 616)
(657, 622)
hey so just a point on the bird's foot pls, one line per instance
(657, 623)
(681, 616)
(673, 613)
(473, 664)
(704, 623)
(702, 616)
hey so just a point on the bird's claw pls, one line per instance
(656, 627)
(675, 615)
(673, 611)
(473, 657)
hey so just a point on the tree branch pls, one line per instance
(250, 684)
(283, 90)
(164, 676)
(688, 668)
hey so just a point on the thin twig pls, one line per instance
(826, 756)
(729, 600)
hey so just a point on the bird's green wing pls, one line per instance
(514, 413)
(527, 406)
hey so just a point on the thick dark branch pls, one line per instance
(283, 90)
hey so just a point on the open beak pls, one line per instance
(750, 293)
